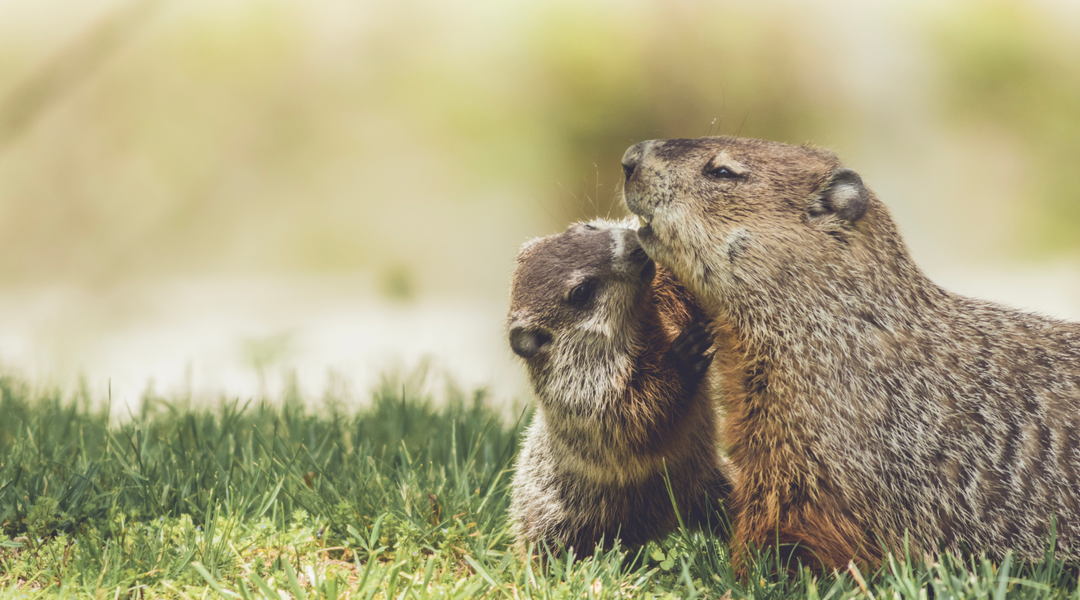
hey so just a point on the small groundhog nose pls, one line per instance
(632, 157)
(527, 342)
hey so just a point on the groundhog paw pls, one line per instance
(690, 350)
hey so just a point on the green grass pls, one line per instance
(405, 498)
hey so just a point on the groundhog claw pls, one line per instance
(690, 350)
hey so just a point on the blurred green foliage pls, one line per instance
(1016, 71)
(324, 136)
(610, 80)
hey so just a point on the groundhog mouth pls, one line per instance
(645, 232)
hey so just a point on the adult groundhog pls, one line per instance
(863, 401)
(620, 396)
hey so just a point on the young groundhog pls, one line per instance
(623, 395)
(863, 401)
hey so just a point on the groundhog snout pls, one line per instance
(632, 158)
(640, 179)
(527, 342)
(632, 259)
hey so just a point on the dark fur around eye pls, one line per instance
(582, 293)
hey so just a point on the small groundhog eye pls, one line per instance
(581, 294)
(721, 172)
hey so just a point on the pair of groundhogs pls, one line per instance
(864, 407)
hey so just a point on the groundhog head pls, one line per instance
(576, 303)
(730, 211)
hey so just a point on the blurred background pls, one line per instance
(238, 198)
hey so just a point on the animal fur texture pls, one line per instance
(864, 402)
(623, 396)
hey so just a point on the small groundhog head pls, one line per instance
(723, 210)
(576, 305)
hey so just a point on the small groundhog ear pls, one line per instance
(528, 342)
(845, 196)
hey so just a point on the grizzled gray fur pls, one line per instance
(617, 357)
(863, 401)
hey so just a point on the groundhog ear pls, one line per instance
(528, 342)
(845, 196)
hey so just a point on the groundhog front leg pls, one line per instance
(712, 483)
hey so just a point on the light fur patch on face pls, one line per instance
(599, 324)
(736, 243)
(618, 244)
(586, 372)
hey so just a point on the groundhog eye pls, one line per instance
(721, 172)
(581, 294)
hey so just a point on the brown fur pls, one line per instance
(616, 406)
(864, 402)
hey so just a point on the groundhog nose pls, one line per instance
(632, 157)
(527, 342)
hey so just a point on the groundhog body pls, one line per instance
(863, 401)
(623, 396)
